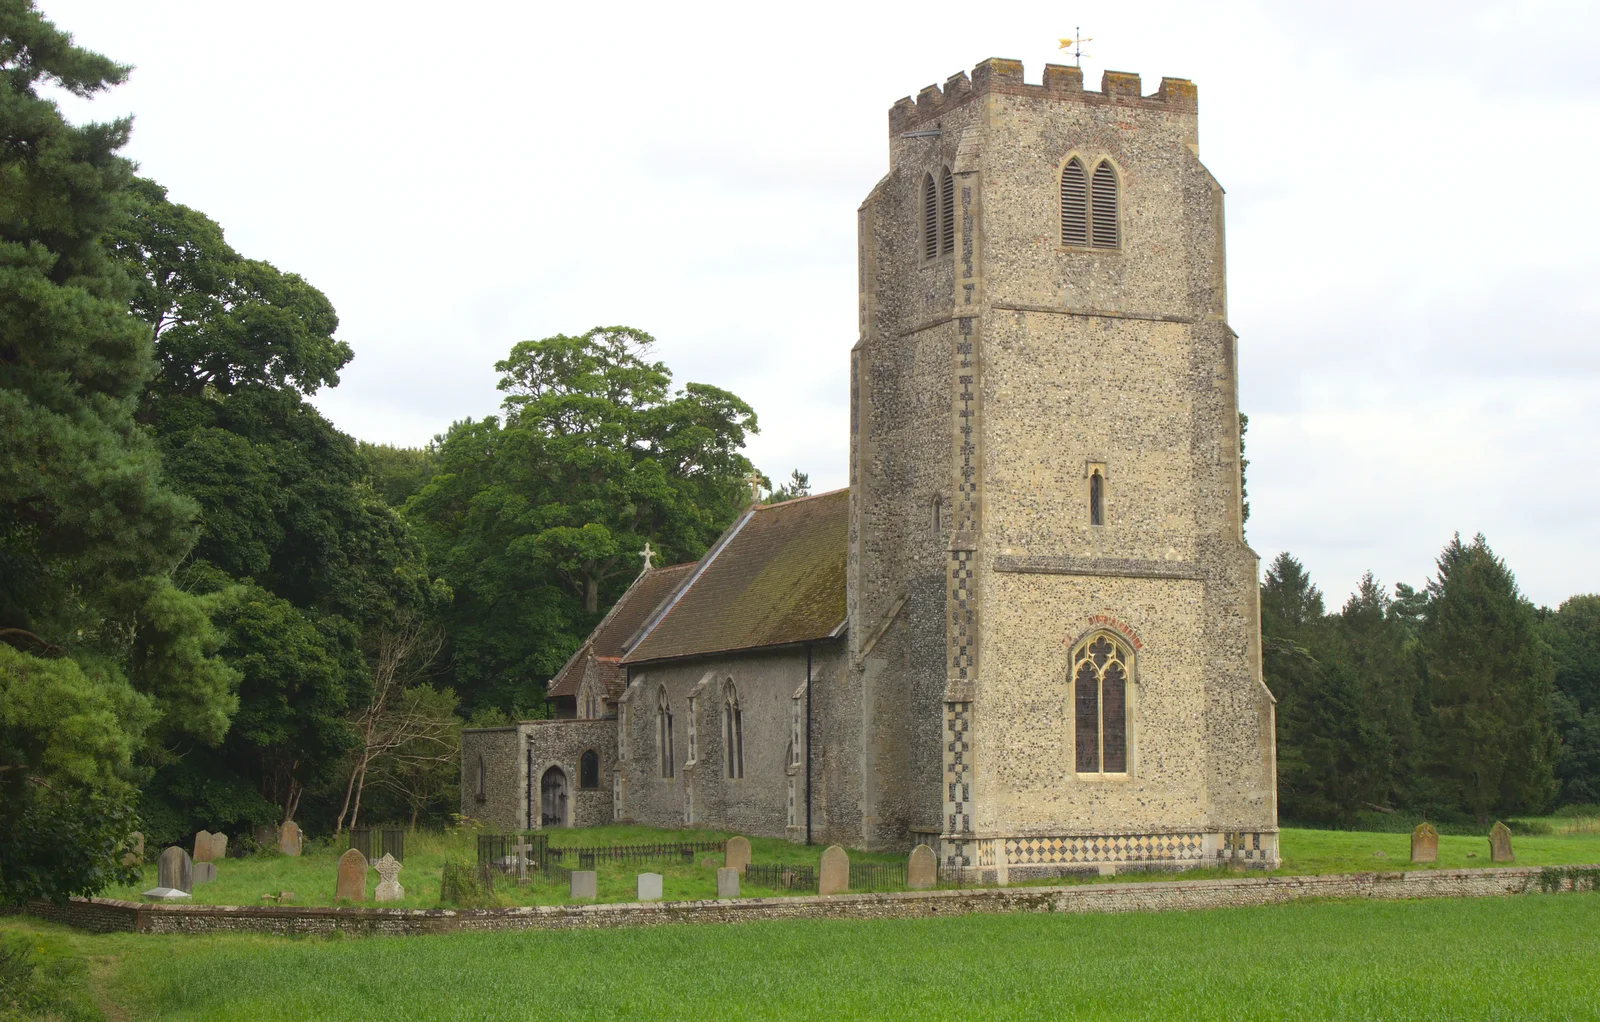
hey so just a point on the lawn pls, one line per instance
(242, 881)
(1528, 957)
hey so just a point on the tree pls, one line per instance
(1289, 601)
(398, 473)
(1573, 634)
(1487, 681)
(102, 659)
(799, 485)
(422, 773)
(1379, 653)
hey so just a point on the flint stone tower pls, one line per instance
(1054, 619)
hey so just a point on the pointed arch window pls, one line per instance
(1090, 206)
(947, 213)
(1100, 705)
(589, 770)
(1097, 496)
(1103, 204)
(930, 218)
(1074, 204)
(733, 732)
(664, 732)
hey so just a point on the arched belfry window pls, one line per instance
(1104, 205)
(589, 770)
(733, 732)
(664, 731)
(947, 213)
(1100, 705)
(1097, 496)
(930, 218)
(1074, 204)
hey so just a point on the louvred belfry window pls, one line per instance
(1105, 206)
(1074, 204)
(930, 218)
(947, 213)
(1100, 706)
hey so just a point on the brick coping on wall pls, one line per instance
(105, 915)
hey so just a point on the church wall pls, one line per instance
(504, 773)
(561, 744)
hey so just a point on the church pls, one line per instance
(1028, 632)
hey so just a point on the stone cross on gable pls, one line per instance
(754, 480)
(647, 554)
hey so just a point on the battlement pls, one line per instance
(1000, 75)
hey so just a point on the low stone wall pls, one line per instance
(106, 916)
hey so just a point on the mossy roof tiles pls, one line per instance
(609, 638)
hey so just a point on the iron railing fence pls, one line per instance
(954, 876)
(781, 877)
(516, 854)
(586, 857)
(877, 876)
(376, 842)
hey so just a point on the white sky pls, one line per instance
(1412, 218)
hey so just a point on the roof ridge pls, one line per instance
(671, 600)
(797, 500)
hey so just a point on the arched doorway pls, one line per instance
(553, 798)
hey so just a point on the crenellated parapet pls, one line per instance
(997, 75)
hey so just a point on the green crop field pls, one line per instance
(1529, 957)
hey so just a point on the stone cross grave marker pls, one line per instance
(736, 854)
(134, 853)
(649, 886)
(728, 882)
(175, 870)
(522, 853)
(204, 872)
(1424, 844)
(1500, 844)
(835, 875)
(289, 838)
(389, 888)
(352, 882)
(585, 884)
(202, 846)
(922, 869)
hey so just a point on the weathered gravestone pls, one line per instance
(204, 873)
(1500, 844)
(834, 877)
(736, 854)
(728, 882)
(649, 886)
(175, 870)
(202, 846)
(219, 846)
(352, 882)
(265, 837)
(922, 869)
(134, 856)
(389, 888)
(289, 838)
(584, 884)
(1424, 843)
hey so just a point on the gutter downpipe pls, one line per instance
(808, 743)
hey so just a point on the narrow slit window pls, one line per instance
(1074, 204)
(1105, 206)
(947, 213)
(1097, 498)
(938, 516)
(483, 780)
(930, 218)
(733, 732)
(664, 732)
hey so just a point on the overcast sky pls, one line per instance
(1412, 218)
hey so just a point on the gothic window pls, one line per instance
(1097, 496)
(733, 732)
(947, 213)
(694, 733)
(1104, 196)
(483, 780)
(930, 218)
(589, 770)
(1074, 204)
(664, 732)
(1090, 214)
(1100, 706)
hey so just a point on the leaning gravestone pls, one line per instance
(584, 884)
(728, 882)
(834, 877)
(134, 854)
(649, 886)
(736, 854)
(389, 888)
(1500, 844)
(290, 838)
(175, 870)
(352, 882)
(202, 846)
(204, 872)
(1424, 844)
(922, 869)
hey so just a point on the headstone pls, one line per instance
(834, 877)
(736, 854)
(204, 873)
(164, 894)
(284, 897)
(134, 856)
(352, 883)
(175, 870)
(922, 870)
(728, 882)
(389, 888)
(219, 846)
(584, 884)
(710, 862)
(1424, 843)
(649, 886)
(202, 846)
(265, 837)
(290, 839)
(1500, 844)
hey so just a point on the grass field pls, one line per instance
(1522, 958)
(242, 881)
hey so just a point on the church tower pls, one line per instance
(1054, 623)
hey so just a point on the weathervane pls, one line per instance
(1077, 45)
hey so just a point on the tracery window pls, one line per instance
(664, 732)
(589, 770)
(1090, 206)
(733, 732)
(1100, 705)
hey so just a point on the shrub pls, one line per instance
(465, 887)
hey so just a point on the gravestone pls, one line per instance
(290, 839)
(834, 878)
(389, 888)
(736, 854)
(585, 884)
(204, 872)
(219, 846)
(922, 869)
(1424, 844)
(202, 846)
(352, 882)
(728, 882)
(649, 886)
(134, 856)
(1500, 844)
(710, 862)
(265, 837)
(175, 870)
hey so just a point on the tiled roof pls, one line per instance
(776, 577)
(605, 644)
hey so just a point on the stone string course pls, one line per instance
(107, 916)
